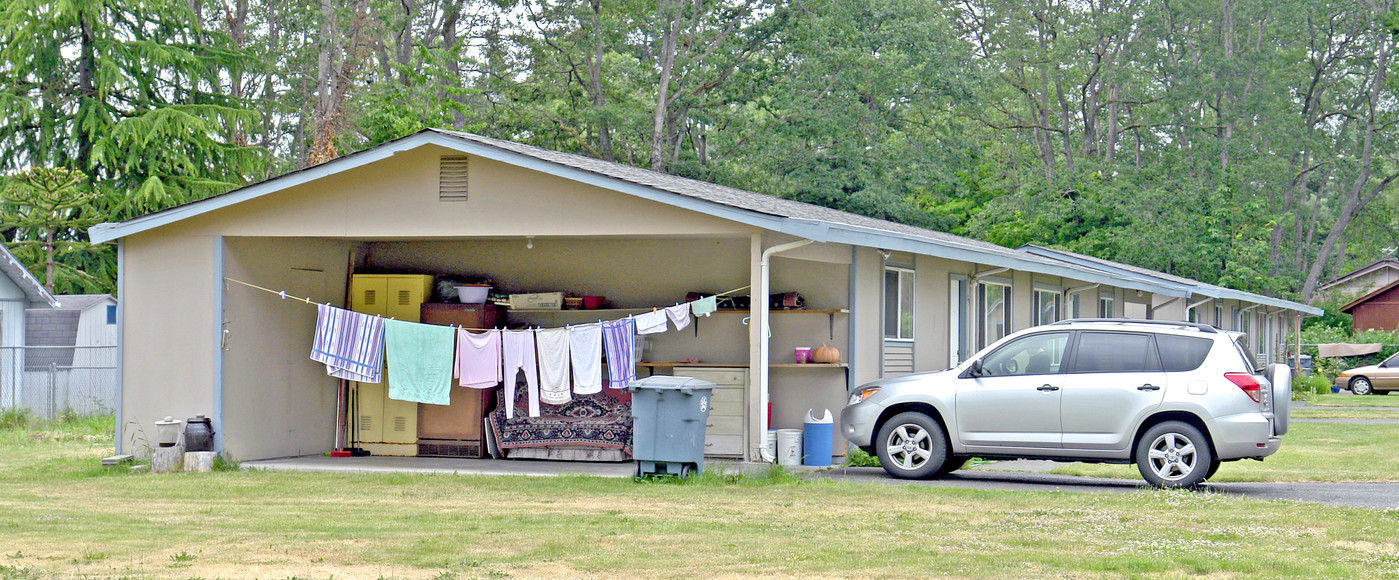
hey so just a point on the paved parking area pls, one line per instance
(1005, 475)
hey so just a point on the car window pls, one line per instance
(1182, 353)
(1391, 362)
(1036, 354)
(1241, 344)
(1115, 352)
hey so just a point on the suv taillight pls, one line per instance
(1247, 382)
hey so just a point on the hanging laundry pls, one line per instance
(704, 306)
(517, 350)
(621, 362)
(553, 365)
(420, 361)
(478, 358)
(585, 349)
(350, 344)
(651, 322)
(679, 315)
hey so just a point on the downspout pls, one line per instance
(121, 331)
(759, 307)
(1069, 291)
(1151, 310)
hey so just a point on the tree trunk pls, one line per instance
(671, 12)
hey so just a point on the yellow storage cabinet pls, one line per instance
(387, 426)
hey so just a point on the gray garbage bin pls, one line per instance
(668, 418)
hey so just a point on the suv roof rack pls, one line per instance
(1177, 324)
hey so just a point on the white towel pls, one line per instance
(585, 348)
(553, 365)
(478, 359)
(517, 349)
(651, 322)
(679, 314)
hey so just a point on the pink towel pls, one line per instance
(478, 359)
(517, 348)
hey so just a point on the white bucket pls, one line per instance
(789, 446)
(770, 441)
(473, 294)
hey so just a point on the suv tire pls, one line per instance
(911, 446)
(1174, 454)
(1361, 386)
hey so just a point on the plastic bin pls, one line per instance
(668, 419)
(818, 437)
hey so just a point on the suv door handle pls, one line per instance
(1148, 387)
(1047, 388)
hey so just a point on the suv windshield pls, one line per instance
(1241, 343)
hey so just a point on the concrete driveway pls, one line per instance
(1366, 495)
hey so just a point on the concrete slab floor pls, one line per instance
(459, 466)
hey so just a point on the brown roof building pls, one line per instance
(1377, 310)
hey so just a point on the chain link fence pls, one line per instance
(52, 380)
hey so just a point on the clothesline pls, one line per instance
(285, 296)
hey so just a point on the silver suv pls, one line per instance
(1175, 398)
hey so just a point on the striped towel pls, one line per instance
(619, 336)
(350, 344)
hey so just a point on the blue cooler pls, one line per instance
(818, 437)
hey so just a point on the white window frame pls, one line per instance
(899, 301)
(1037, 294)
(959, 343)
(1111, 306)
(1007, 302)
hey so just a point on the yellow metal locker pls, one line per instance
(388, 426)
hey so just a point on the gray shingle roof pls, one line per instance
(34, 291)
(80, 302)
(47, 327)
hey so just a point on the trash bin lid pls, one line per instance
(669, 382)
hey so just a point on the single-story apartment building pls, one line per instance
(892, 298)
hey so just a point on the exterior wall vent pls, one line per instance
(451, 178)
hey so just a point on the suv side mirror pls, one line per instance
(975, 369)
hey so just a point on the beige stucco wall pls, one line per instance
(398, 198)
(277, 402)
(168, 332)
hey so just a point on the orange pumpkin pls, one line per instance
(825, 354)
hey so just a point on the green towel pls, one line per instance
(419, 361)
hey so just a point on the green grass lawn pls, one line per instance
(1338, 400)
(1347, 413)
(62, 516)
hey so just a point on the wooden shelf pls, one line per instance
(786, 311)
(742, 365)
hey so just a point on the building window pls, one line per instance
(898, 304)
(993, 322)
(1105, 308)
(1236, 321)
(1046, 307)
(1218, 316)
(1191, 315)
(1071, 306)
(111, 314)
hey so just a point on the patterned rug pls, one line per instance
(598, 421)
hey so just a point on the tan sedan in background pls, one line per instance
(1380, 378)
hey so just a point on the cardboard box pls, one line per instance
(539, 301)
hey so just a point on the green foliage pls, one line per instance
(1304, 386)
(856, 457)
(15, 418)
(48, 210)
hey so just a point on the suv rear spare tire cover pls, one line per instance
(1281, 377)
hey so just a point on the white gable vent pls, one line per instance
(451, 179)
